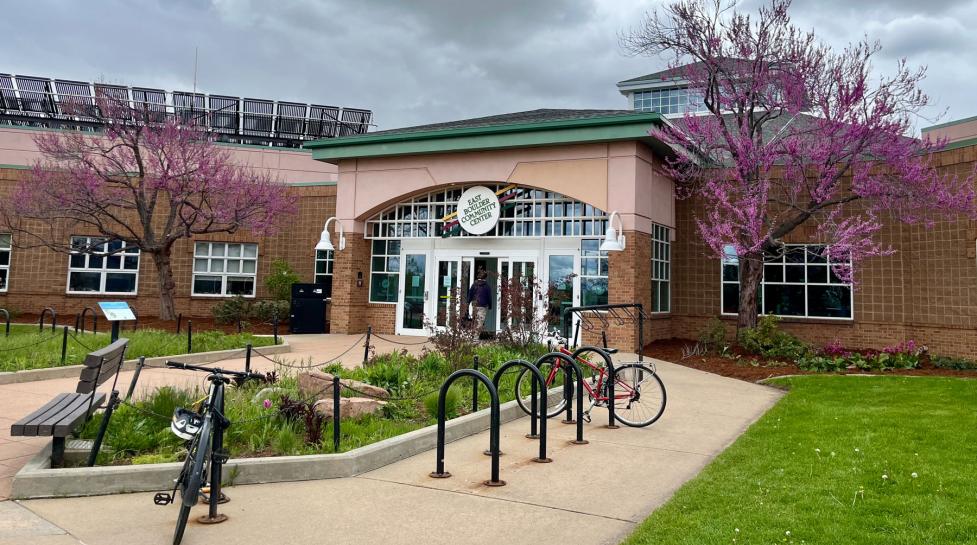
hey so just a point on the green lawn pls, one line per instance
(840, 460)
(26, 348)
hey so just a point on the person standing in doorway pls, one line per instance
(480, 297)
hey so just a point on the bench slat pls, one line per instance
(71, 417)
(27, 426)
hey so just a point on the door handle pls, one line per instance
(425, 295)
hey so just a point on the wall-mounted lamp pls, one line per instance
(612, 241)
(324, 240)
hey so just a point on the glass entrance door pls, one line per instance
(560, 291)
(520, 293)
(449, 304)
(412, 306)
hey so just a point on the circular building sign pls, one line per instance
(478, 210)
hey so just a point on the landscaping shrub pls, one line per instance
(452, 400)
(389, 372)
(952, 362)
(231, 311)
(822, 363)
(768, 340)
(279, 281)
(714, 335)
(270, 311)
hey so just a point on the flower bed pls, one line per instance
(280, 419)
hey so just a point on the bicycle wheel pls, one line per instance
(192, 477)
(639, 395)
(524, 388)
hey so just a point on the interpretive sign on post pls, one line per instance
(116, 311)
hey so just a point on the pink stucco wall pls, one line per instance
(621, 176)
(289, 165)
(958, 130)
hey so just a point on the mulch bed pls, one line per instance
(671, 350)
(200, 323)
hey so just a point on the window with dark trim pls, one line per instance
(323, 269)
(4, 261)
(661, 268)
(384, 271)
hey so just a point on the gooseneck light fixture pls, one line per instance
(325, 243)
(612, 241)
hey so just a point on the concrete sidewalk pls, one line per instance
(18, 400)
(590, 494)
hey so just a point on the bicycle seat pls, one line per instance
(611, 350)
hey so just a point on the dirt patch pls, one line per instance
(755, 368)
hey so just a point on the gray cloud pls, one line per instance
(426, 60)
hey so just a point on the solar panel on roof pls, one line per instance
(35, 95)
(224, 113)
(8, 97)
(43, 102)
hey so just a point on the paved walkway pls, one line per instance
(590, 494)
(18, 400)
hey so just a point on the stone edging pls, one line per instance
(74, 371)
(38, 480)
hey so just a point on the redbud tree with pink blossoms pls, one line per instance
(792, 133)
(146, 178)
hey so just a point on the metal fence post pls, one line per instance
(179, 321)
(6, 315)
(335, 413)
(475, 386)
(247, 358)
(274, 329)
(189, 336)
(366, 345)
(64, 345)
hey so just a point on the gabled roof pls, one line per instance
(545, 127)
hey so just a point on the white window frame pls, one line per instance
(104, 270)
(6, 246)
(603, 268)
(395, 274)
(734, 260)
(670, 101)
(223, 273)
(530, 213)
(661, 266)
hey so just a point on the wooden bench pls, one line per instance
(61, 416)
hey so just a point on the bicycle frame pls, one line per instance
(595, 394)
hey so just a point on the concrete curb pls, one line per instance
(38, 480)
(74, 371)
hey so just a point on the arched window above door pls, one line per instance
(525, 212)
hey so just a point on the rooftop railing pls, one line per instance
(53, 103)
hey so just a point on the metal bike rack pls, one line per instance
(593, 317)
(610, 379)
(80, 320)
(440, 473)
(566, 391)
(54, 319)
(535, 413)
(6, 316)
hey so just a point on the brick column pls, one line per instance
(629, 281)
(349, 300)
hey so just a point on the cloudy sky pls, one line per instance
(420, 61)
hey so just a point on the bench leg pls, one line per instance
(57, 452)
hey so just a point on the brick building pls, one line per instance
(557, 176)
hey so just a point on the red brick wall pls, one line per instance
(38, 276)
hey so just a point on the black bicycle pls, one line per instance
(204, 432)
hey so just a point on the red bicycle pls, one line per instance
(639, 395)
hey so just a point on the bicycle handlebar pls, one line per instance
(213, 370)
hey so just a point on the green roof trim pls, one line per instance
(959, 144)
(629, 126)
(309, 184)
(949, 123)
(16, 167)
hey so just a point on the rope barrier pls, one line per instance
(394, 341)
(31, 345)
(355, 344)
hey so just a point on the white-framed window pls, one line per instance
(661, 268)
(323, 269)
(593, 273)
(676, 100)
(525, 212)
(797, 282)
(96, 265)
(224, 268)
(384, 271)
(4, 261)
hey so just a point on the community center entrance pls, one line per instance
(541, 241)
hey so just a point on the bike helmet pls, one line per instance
(186, 423)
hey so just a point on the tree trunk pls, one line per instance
(167, 286)
(751, 273)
